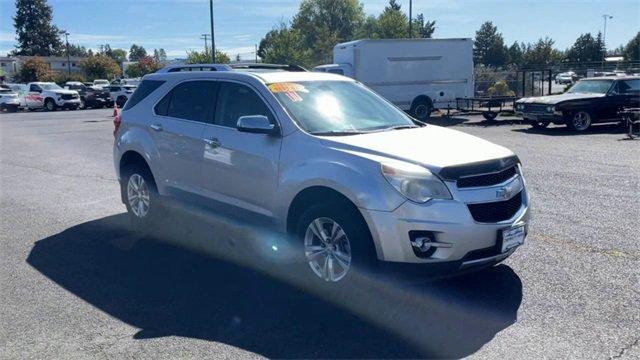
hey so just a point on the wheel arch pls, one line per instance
(420, 98)
(132, 158)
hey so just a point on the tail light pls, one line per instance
(116, 124)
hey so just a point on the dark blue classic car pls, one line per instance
(589, 101)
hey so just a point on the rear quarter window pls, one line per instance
(145, 88)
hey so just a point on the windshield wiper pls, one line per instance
(400, 127)
(335, 133)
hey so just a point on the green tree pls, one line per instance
(34, 69)
(283, 45)
(36, 36)
(77, 50)
(514, 54)
(393, 23)
(632, 49)
(421, 28)
(144, 66)
(489, 48)
(324, 23)
(204, 57)
(541, 53)
(586, 48)
(118, 55)
(159, 55)
(100, 67)
(137, 52)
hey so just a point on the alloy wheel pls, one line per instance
(138, 196)
(327, 249)
(581, 120)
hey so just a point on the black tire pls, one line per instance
(580, 120)
(490, 115)
(146, 224)
(421, 109)
(50, 105)
(12, 109)
(363, 254)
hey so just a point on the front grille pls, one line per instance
(535, 108)
(496, 211)
(487, 179)
(69, 96)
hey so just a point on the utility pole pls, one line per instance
(213, 41)
(66, 39)
(604, 37)
(410, 19)
(206, 46)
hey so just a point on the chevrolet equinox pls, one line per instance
(347, 176)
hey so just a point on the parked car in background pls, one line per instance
(100, 82)
(51, 96)
(589, 101)
(417, 75)
(90, 96)
(566, 77)
(321, 157)
(9, 100)
(119, 94)
(22, 90)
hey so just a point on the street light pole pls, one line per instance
(410, 20)
(206, 46)
(604, 37)
(66, 39)
(213, 41)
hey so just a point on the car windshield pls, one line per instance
(591, 86)
(50, 86)
(338, 108)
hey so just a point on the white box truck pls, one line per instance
(417, 75)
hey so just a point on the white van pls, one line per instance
(417, 75)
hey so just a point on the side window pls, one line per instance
(629, 86)
(146, 87)
(34, 87)
(236, 100)
(162, 106)
(191, 100)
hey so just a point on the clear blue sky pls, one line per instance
(176, 25)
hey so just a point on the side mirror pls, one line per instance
(257, 124)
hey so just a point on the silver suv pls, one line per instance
(350, 178)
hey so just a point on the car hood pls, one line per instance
(554, 99)
(431, 146)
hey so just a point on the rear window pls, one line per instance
(145, 88)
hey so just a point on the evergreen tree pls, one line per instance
(36, 36)
(489, 48)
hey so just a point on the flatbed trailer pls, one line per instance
(488, 106)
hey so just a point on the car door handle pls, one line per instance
(156, 127)
(213, 142)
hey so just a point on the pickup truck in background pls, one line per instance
(50, 96)
(417, 75)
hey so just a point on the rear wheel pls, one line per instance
(421, 109)
(336, 242)
(141, 198)
(490, 115)
(50, 105)
(580, 121)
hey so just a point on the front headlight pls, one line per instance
(550, 108)
(520, 106)
(414, 182)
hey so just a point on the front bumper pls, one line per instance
(468, 243)
(68, 103)
(556, 118)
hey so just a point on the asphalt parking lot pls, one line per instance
(75, 284)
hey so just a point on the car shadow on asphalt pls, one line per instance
(596, 129)
(170, 290)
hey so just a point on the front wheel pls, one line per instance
(336, 242)
(580, 121)
(490, 115)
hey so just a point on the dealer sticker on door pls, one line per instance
(512, 237)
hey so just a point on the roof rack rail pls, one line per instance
(194, 67)
(265, 66)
